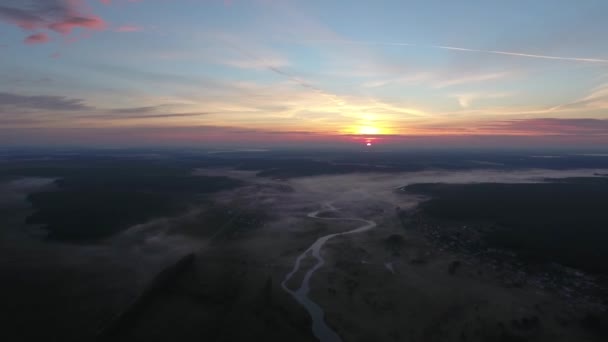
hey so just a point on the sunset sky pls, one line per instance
(270, 72)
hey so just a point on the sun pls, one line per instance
(365, 130)
(369, 130)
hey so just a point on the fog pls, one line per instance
(358, 193)
(385, 187)
(144, 248)
(104, 277)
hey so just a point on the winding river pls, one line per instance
(319, 328)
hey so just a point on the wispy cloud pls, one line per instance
(581, 127)
(596, 99)
(406, 79)
(44, 110)
(167, 115)
(274, 61)
(472, 78)
(9, 101)
(466, 99)
(126, 116)
(263, 63)
(550, 126)
(136, 110)
(454, 48)
(528, 55)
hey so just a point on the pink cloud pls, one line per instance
(37, 38)
(66, 26)
(61, 16)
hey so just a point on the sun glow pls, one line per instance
(368, 130)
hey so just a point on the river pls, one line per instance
(319, 327)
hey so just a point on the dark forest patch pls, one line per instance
(564, 220)
(97, 198)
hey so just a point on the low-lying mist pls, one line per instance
(102, 278)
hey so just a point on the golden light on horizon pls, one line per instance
(368, 130)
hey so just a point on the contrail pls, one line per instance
(495, 52)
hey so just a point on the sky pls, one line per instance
(269, 73)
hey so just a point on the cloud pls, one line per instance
(135, 114)
(224, 136)
(409, 78)
(596, 99)
(549, 126)
(215, 135)
(466, 100)
(439, 79)
(254, 61)
(519, 54)
(168, 115)
(242, 51)
(256, 64)
(473, 78)
(37, 38)
(61, 16)
(526, 127)
(60, 111)
(136, 110)
(454, 48)
(15, 101)
(68, 24)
